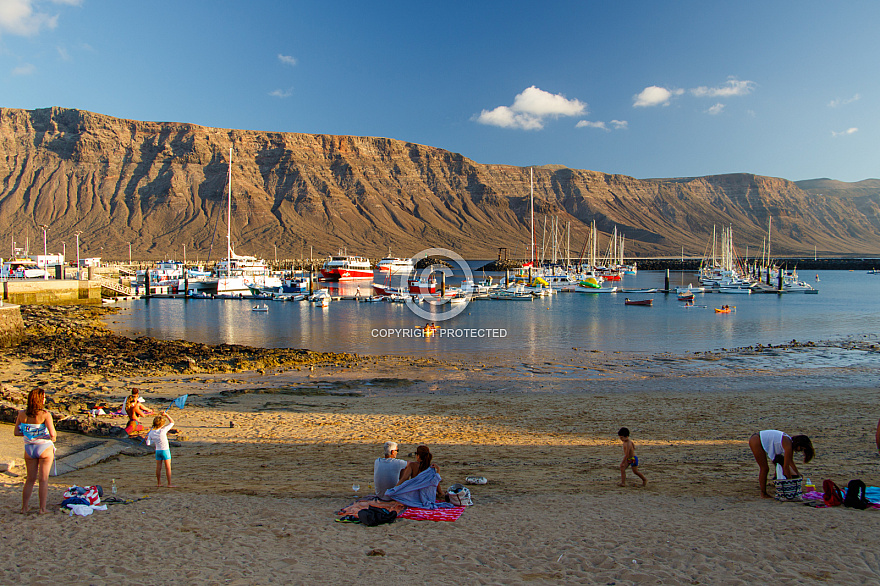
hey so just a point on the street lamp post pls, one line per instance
(45, 248)
(78, 274)
(129, 254)
(45, 252)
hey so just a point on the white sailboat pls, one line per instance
(235, 275)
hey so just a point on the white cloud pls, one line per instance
(617, 124)
(588, 124)
(530, 109)
(24, 69)
(286, 59)
(63, 54)
(733, 87)
(655, 96)
(845, 132)
(19, 17)
(279, 93)
(838, 102)
(716, 109)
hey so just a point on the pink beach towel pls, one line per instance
(432, 514)
(404, 512)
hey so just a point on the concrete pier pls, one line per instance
(51, 292)
(11, 325)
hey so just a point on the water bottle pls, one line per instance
(113, 486)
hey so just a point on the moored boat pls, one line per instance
(642, 302)
(394, 265)
(346, 268)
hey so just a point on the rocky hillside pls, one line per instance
(162, 186)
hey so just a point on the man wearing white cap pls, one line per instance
(386, 471)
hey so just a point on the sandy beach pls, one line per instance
(255, 502)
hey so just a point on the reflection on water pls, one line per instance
(848, 303)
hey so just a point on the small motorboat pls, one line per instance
(686, 297)
(263, 307)
(645, 302)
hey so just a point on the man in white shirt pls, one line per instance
(386, 471)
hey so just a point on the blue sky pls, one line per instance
(647, 89)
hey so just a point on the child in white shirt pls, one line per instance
(158, 435)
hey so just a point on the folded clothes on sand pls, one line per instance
(85, 510)
(361, 504)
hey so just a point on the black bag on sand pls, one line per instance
(855, 495)
(376, 516)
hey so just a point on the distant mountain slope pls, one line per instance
(162, 186)
(865, 188)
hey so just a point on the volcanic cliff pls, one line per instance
(163, 186)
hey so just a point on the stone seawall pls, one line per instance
(11, 325)
(51, 292)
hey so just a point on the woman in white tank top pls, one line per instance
(779, 448)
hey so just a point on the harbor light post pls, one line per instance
(129, 254)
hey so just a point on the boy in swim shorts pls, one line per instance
(159, 436)
(629, 458)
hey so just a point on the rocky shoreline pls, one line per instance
(71, 353)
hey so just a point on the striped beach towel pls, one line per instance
(415, 514)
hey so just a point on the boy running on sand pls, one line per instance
(159, 435)
(629, 458)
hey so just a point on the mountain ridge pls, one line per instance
(162, 186)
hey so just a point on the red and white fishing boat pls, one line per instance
(422, 286)
(346, 268)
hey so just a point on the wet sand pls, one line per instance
(255, 502)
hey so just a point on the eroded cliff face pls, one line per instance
(163, 186)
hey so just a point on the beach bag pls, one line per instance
(459, 496)
(376, 516)
(789, 489)
(832, 496)
(855, 495)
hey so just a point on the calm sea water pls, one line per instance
(848, 304)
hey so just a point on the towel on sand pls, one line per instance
(450, 514)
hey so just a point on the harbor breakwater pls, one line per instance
(693, 264)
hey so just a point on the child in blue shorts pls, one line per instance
(158, 435)
(629, 458)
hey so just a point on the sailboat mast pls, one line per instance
(229, 220)
(532, 210)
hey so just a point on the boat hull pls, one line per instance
(345, 274)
